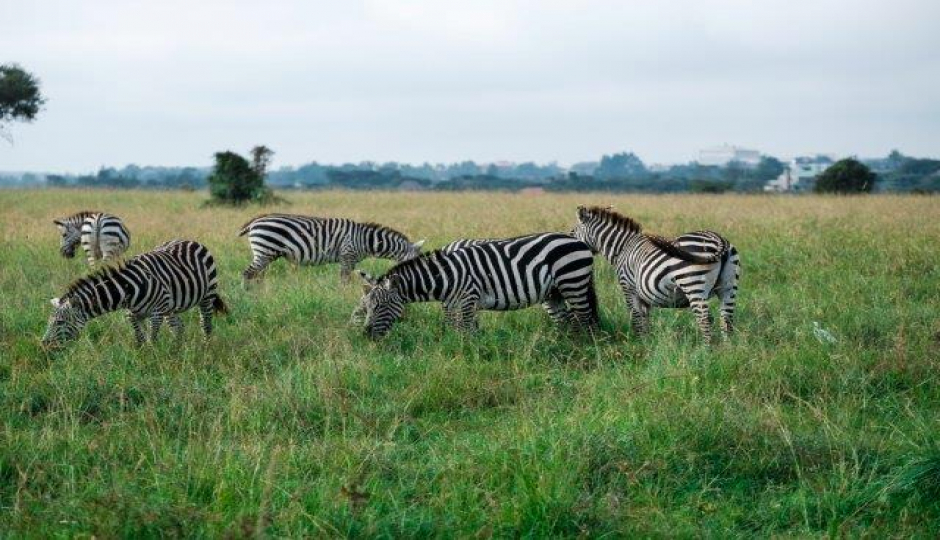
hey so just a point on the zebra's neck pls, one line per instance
(422, 281)
(612, 242)
(111, 290)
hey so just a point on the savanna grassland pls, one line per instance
(290, 422)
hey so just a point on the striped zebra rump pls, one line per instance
(656, 272)
(102, 236)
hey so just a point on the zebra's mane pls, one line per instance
(417, 262)
(96, 276)
(82, 214)
(380, 228)
(609, 216)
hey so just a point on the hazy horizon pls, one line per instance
(414, 82)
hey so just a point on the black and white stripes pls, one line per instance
(156, 285)
(653, 271)
(311, 240)
(102, 236)
(550, 268)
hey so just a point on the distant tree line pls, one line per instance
(619, 172)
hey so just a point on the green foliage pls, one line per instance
(846, 176)
(709, 186)
(235, 181)
(20, 97)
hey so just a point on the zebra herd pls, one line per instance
(553, 269)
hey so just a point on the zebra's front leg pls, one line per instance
(347, 264)
(639, 311)
(176, 326)
(156, 320)
(465, 314)
(135, 320)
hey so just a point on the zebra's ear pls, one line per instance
(56, 302)
(367, 278)
(58, 223)
(583, 212)
(417, 245)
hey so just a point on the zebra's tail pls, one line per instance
(218, 306)
(673, 250)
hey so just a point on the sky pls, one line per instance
(172, 82)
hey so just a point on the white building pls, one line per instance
(800, 174)
(726, 153)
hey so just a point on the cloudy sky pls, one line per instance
(171, 82)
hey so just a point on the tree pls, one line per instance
(20, 98)
(846, 176)
(768, 168)
(623, 165)
(236, 181)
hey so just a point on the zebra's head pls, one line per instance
(409, 251)
(381, 303)
(71, 235)
(66, 321)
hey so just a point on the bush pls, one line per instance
(235, 181)
(846, 176)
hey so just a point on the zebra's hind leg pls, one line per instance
(581, 303)
(703, 316)
(205, 319)
(728, 292)
(555, 305)
(256, 268)
(135, 321)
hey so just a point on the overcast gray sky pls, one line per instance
(171, 82)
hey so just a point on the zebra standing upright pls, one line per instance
(653, 271)
(103, 236)
(310, 240)
(156, 285)
(549, 268)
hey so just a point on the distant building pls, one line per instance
(726, 153)
(800, 174)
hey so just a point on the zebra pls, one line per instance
(655, 272)
(550, 268)
(311, 240)
(102, 236)
(158, 285)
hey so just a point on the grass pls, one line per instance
(291, 423)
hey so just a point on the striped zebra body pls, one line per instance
(309, 240)
(102, 236)
(553, 269)
(465, 242)
(156, 285)
(655, 272)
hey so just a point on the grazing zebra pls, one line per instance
(549, 268)
(158, 285)
(653, 271)
(311, 240)
(103, 236)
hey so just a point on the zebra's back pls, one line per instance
(185, 269)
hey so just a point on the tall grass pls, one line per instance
(292, 423)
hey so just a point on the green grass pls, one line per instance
(292, 423)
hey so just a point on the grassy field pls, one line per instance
(292, 423)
